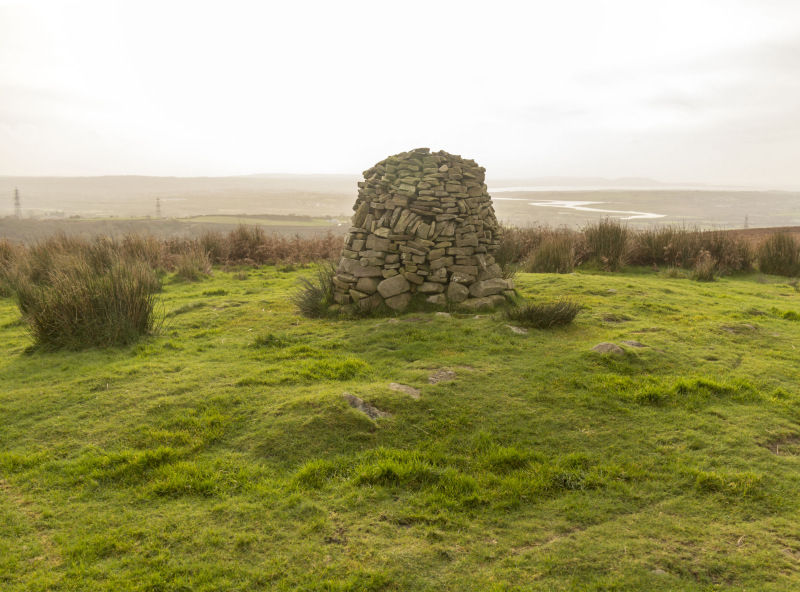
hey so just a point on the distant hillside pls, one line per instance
(180, 196)
(577, 182)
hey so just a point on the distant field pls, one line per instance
(309, 214)
(265, 221)
(319, 196)
(32, 230)
(757, 235)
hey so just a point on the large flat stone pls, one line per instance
(399, 302)
(368, 285)
(488, 287)
(431, 288)
(457, 292)
(369, 271)
(377, 243)
(370, 303)
(394, 286)
(476, 303)
(348, 265)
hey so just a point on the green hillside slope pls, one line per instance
(222, 454)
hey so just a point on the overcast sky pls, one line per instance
(678, 90)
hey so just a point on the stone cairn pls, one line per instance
(423, 223)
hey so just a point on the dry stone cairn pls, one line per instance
(423, 223)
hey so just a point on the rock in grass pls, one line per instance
(364, 407)
(443, 375)
(608, 348)
(518, 330)
(409, 390)
(633, 344)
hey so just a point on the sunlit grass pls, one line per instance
(221, 453)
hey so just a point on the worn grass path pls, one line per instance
(221, 455)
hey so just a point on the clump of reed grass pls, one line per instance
(249, 244)
(706, 268)
(554, 254)
(543, 315)
(678, 246)
(673, 272)
(314, 296)
(244, 242)
(9, 254)
(538, 249)
(606, 242)
(662, 245)
(779, 255)
(143, 247)
(215, 244)
(192, 263)
(508, 253)
(90, 296)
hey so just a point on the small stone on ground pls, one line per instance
(441, 376)
(445, 315)
(633, 344)
(518, 330)
(608, 348)
(409, 390)
(364, 407)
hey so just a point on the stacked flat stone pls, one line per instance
(423, 223)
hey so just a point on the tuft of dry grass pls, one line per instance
(705, 268)
(543, 315)
(606, 242)
(779, 254)
(313, 296)
(680, 246)
(555, 253)
(78, 294)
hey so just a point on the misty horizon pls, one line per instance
(687, 92)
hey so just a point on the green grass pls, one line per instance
(221, 455)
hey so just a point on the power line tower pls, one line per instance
(158, 207)
(747, 222)
(17, 205)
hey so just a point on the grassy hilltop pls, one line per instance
(221, 454)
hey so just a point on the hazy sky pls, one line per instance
(677, 90)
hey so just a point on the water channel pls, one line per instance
(581, 205)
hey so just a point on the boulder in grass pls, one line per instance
(364, 407)
(608, 348)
